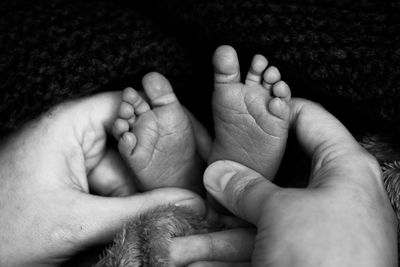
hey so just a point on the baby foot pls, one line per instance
(156, 138)
(251, 118)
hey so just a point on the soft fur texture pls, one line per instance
(341, 53)
(145, 241)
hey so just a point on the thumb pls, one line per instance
(240, 189)
(331, 146)
(100, 218)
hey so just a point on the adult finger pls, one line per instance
(316, 127)
(103, 109)
(97, 112)
(328, 142)
(238, 188)
(97, 219)
(233, 245)
(111, 177)
(88, 134)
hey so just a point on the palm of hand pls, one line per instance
(44, 186)
(309, 217)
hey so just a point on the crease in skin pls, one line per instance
(232, 123)
(164, 100)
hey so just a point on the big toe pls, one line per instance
(158, 89)
(226, 65)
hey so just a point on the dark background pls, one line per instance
(343, 54)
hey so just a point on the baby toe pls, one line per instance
(120, 126)
(226, 65)
(258, 65)
(126, 111)
(132, 97)
(279, 108)
(158, 90)
(281, 90)
(271, 76)
(126, 144)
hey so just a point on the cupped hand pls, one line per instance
(47, 170)
(343, 218)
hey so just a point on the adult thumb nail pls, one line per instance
(218, 174)
(196, 204)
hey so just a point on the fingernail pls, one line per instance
(218, 175)
(195, 204)
(185, 202)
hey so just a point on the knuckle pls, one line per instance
(210, 244)
(241, 191)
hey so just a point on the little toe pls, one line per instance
(158, 90)
(258, 65)
(226, 65)
(279, 108)
(120, 127)
(126, 144)
(132, 97)
(281, 90)
(271, 76)
(126, 111)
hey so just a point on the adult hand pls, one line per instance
(343, 218)
(47, 168)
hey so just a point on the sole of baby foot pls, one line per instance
(156, 138)
(251, 118)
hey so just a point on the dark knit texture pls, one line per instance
(146, 240)
(344, 54)
(52, 51)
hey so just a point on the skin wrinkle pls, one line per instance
(155, 148)
(169, 132)
(244, 150)
(75, 157)
(227, 78)
(246, 114)
(161, 100)
(166, 174)
(212, 246)
(235, 144)
(230, 139)
(76, 177)
(91, 139)
(242, 186)
(227, 110)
